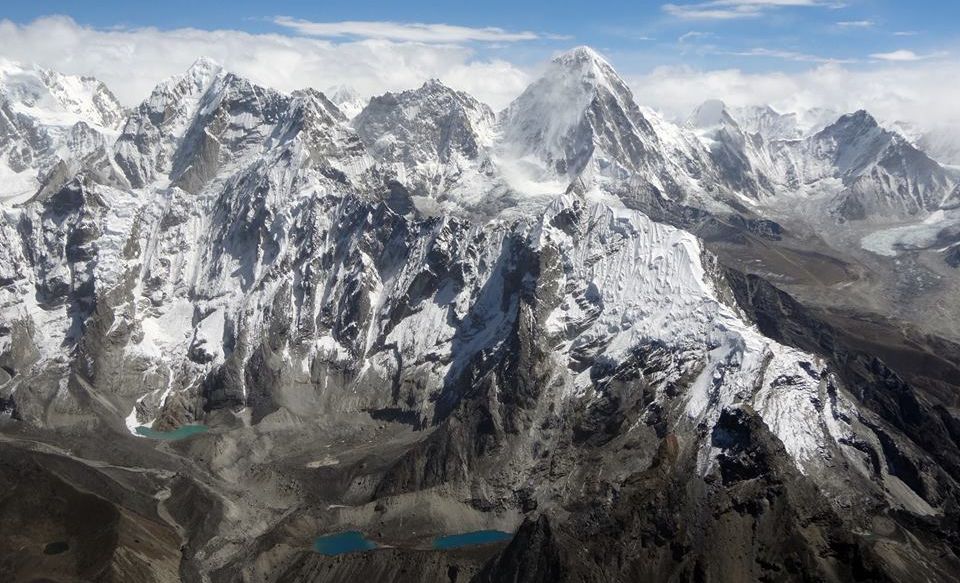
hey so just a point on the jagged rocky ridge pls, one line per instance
(253, 260)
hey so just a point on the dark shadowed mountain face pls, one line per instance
(234, 320)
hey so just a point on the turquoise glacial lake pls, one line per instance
(345, 542)
(182, 432)
(469, 539)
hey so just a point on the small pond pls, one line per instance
(182, 432)
(345, 542)
(468, 539)
(56, 548)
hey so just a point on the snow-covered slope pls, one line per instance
(46, 117)
(435, 139)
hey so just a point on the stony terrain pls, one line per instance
(651, 351)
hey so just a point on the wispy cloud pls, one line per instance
(734, 9)
(406, 31)
(787, 56)
(857, 24)
(904, 56)
(906, 33)
(693, 35)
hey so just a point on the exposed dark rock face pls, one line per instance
(531, 557)
(952, 256)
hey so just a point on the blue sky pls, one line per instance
(890, 57)
(752, 35)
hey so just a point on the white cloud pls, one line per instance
(404, 32)
(735, 9)
(857, 24)
(132, 60)
(692, 35)
(913, 92)
(786, 55)
(906, 33)
(905, 56)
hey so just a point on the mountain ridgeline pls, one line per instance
(627, 341)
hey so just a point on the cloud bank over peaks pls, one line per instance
(131, 61)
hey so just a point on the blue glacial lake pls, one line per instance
(345, 542)
(468, 539)
(181, 432)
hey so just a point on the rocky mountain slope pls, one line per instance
(435, 139)
(428, 319)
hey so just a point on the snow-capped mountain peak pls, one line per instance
(203, 71)
(434, 138)
(767, 122)
(710, 114)
(347, 99)
(856, 140)
(182, 92)
(588, 65)
(196, 124)
(47, 117)
(580, 54)
(740, 159)
(940, 141)
(578, 116)
(56, 99)
(774, 125)
(582, 66)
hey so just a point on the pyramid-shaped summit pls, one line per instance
(580, 121)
